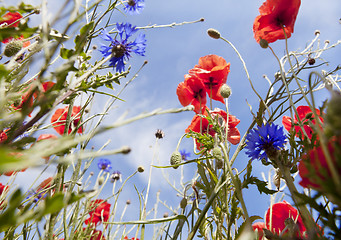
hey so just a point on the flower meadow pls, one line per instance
(80, 160)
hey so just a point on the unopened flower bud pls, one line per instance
(91, 173)
(100, 180)
(333, 115)
(165, 215)
(175, 159)
(140, 169)
(213, 33)
(263, 43)
(225, 91)
(126, 150)
(13, 48)
(183, 203)
(128, 202)
(317, 32)
(159, 134)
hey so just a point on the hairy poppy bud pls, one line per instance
(216, 153)
(183, 203)
(13, 48)
(333, 115)
(263, 43)
(213, 33)
(175, 159)
(225, 91)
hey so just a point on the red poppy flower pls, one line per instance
(26, 100)
(233, 135)
(3, 136)
(100, 211)
(10, 19)
(275, 219)
(279, 213)
(3, 192)
(259, 226)
(274, 16)
(201, 125)
(313, 167)
(58, 119)
(45, 87)
(302, 113)
(192, 91)
(131, 238)
(213, 71)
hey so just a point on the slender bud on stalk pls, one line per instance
(183, 203)
(213, 33)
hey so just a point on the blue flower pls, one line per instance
(120, 48)
(264, 140)
(134, 6)
(184, 155)
(104, 164)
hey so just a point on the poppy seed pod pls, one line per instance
(213, 33)
(13, 48)
(225, 91)
(263, 43)
(175, 159)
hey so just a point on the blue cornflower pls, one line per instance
(104, 164)
(184, 154)
(121, 48)
(134, 6)
(264, 140)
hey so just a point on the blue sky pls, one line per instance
(171, 52)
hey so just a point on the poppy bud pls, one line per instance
(317, 32)
(165, 215)
(213, 33)
(13, 48)
(333, 115)
(263, 43)
(183, 203)
(126, 150)
(175, 159)
(100, 180)
(225, 91)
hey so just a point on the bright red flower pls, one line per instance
(58, 119)
(10, 19)
(201, 125)
(46, 86)
(26, 100)
(213, 71)
(302, 113)
(259, 226)
(100, 211)
(313, 167)
(3, 191)
(18, 155)
(3, 136)
(192, 91)
(233, 135)
(45, 184)
(279, 213)
(275, 14)
(131, 238)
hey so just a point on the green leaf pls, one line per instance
(66, 53)
(81, 39)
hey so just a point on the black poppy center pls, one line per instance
(118, 50)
